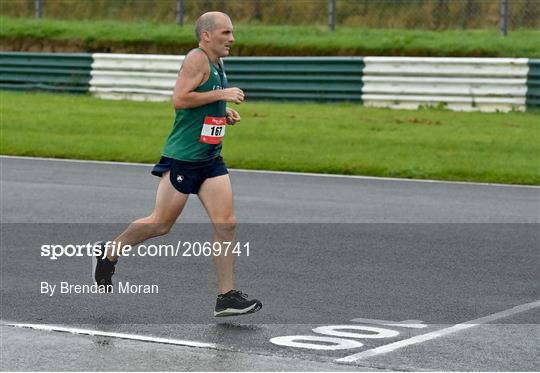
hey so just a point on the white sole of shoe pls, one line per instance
(235, 312)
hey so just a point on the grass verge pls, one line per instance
(146, 37)
(327, 138)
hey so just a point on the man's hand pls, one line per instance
(233, 94)
(232, 116)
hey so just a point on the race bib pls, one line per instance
(213, 130)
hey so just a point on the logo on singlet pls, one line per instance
(179, 178)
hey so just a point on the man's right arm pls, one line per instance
(194, 69)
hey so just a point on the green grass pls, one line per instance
(328, 138)
(146, 37)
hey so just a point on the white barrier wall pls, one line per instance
(134, 76)
(485, 84)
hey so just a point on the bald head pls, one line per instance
(208, 22)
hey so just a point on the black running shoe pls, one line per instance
(103, 269)
(234, 303)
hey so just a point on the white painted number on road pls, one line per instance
(374, 332)
(335, 343)
(353, 331)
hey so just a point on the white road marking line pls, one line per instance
(69, 160)
(438, 333)
(382, 178)
(134, 337)
(375, 178)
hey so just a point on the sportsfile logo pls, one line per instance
(113, 248)
(54, 251)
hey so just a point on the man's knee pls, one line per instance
(161, 229)
(226, 225)
(154, 228)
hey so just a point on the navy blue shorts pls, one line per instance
(187, 177)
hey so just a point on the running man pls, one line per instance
(191, 161)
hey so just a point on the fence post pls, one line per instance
(332, 14)
(38, 6)
(504, 18)
(180, 12)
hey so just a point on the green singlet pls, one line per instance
(183, 143)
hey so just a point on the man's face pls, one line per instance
(222, 38)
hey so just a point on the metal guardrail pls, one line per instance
(150, 77)
(486, 84)
(297, 78)
(533, 84)
(63, 72)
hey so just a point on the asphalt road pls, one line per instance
(323, 251)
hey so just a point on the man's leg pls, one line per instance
(217, 198)
(169, 205)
